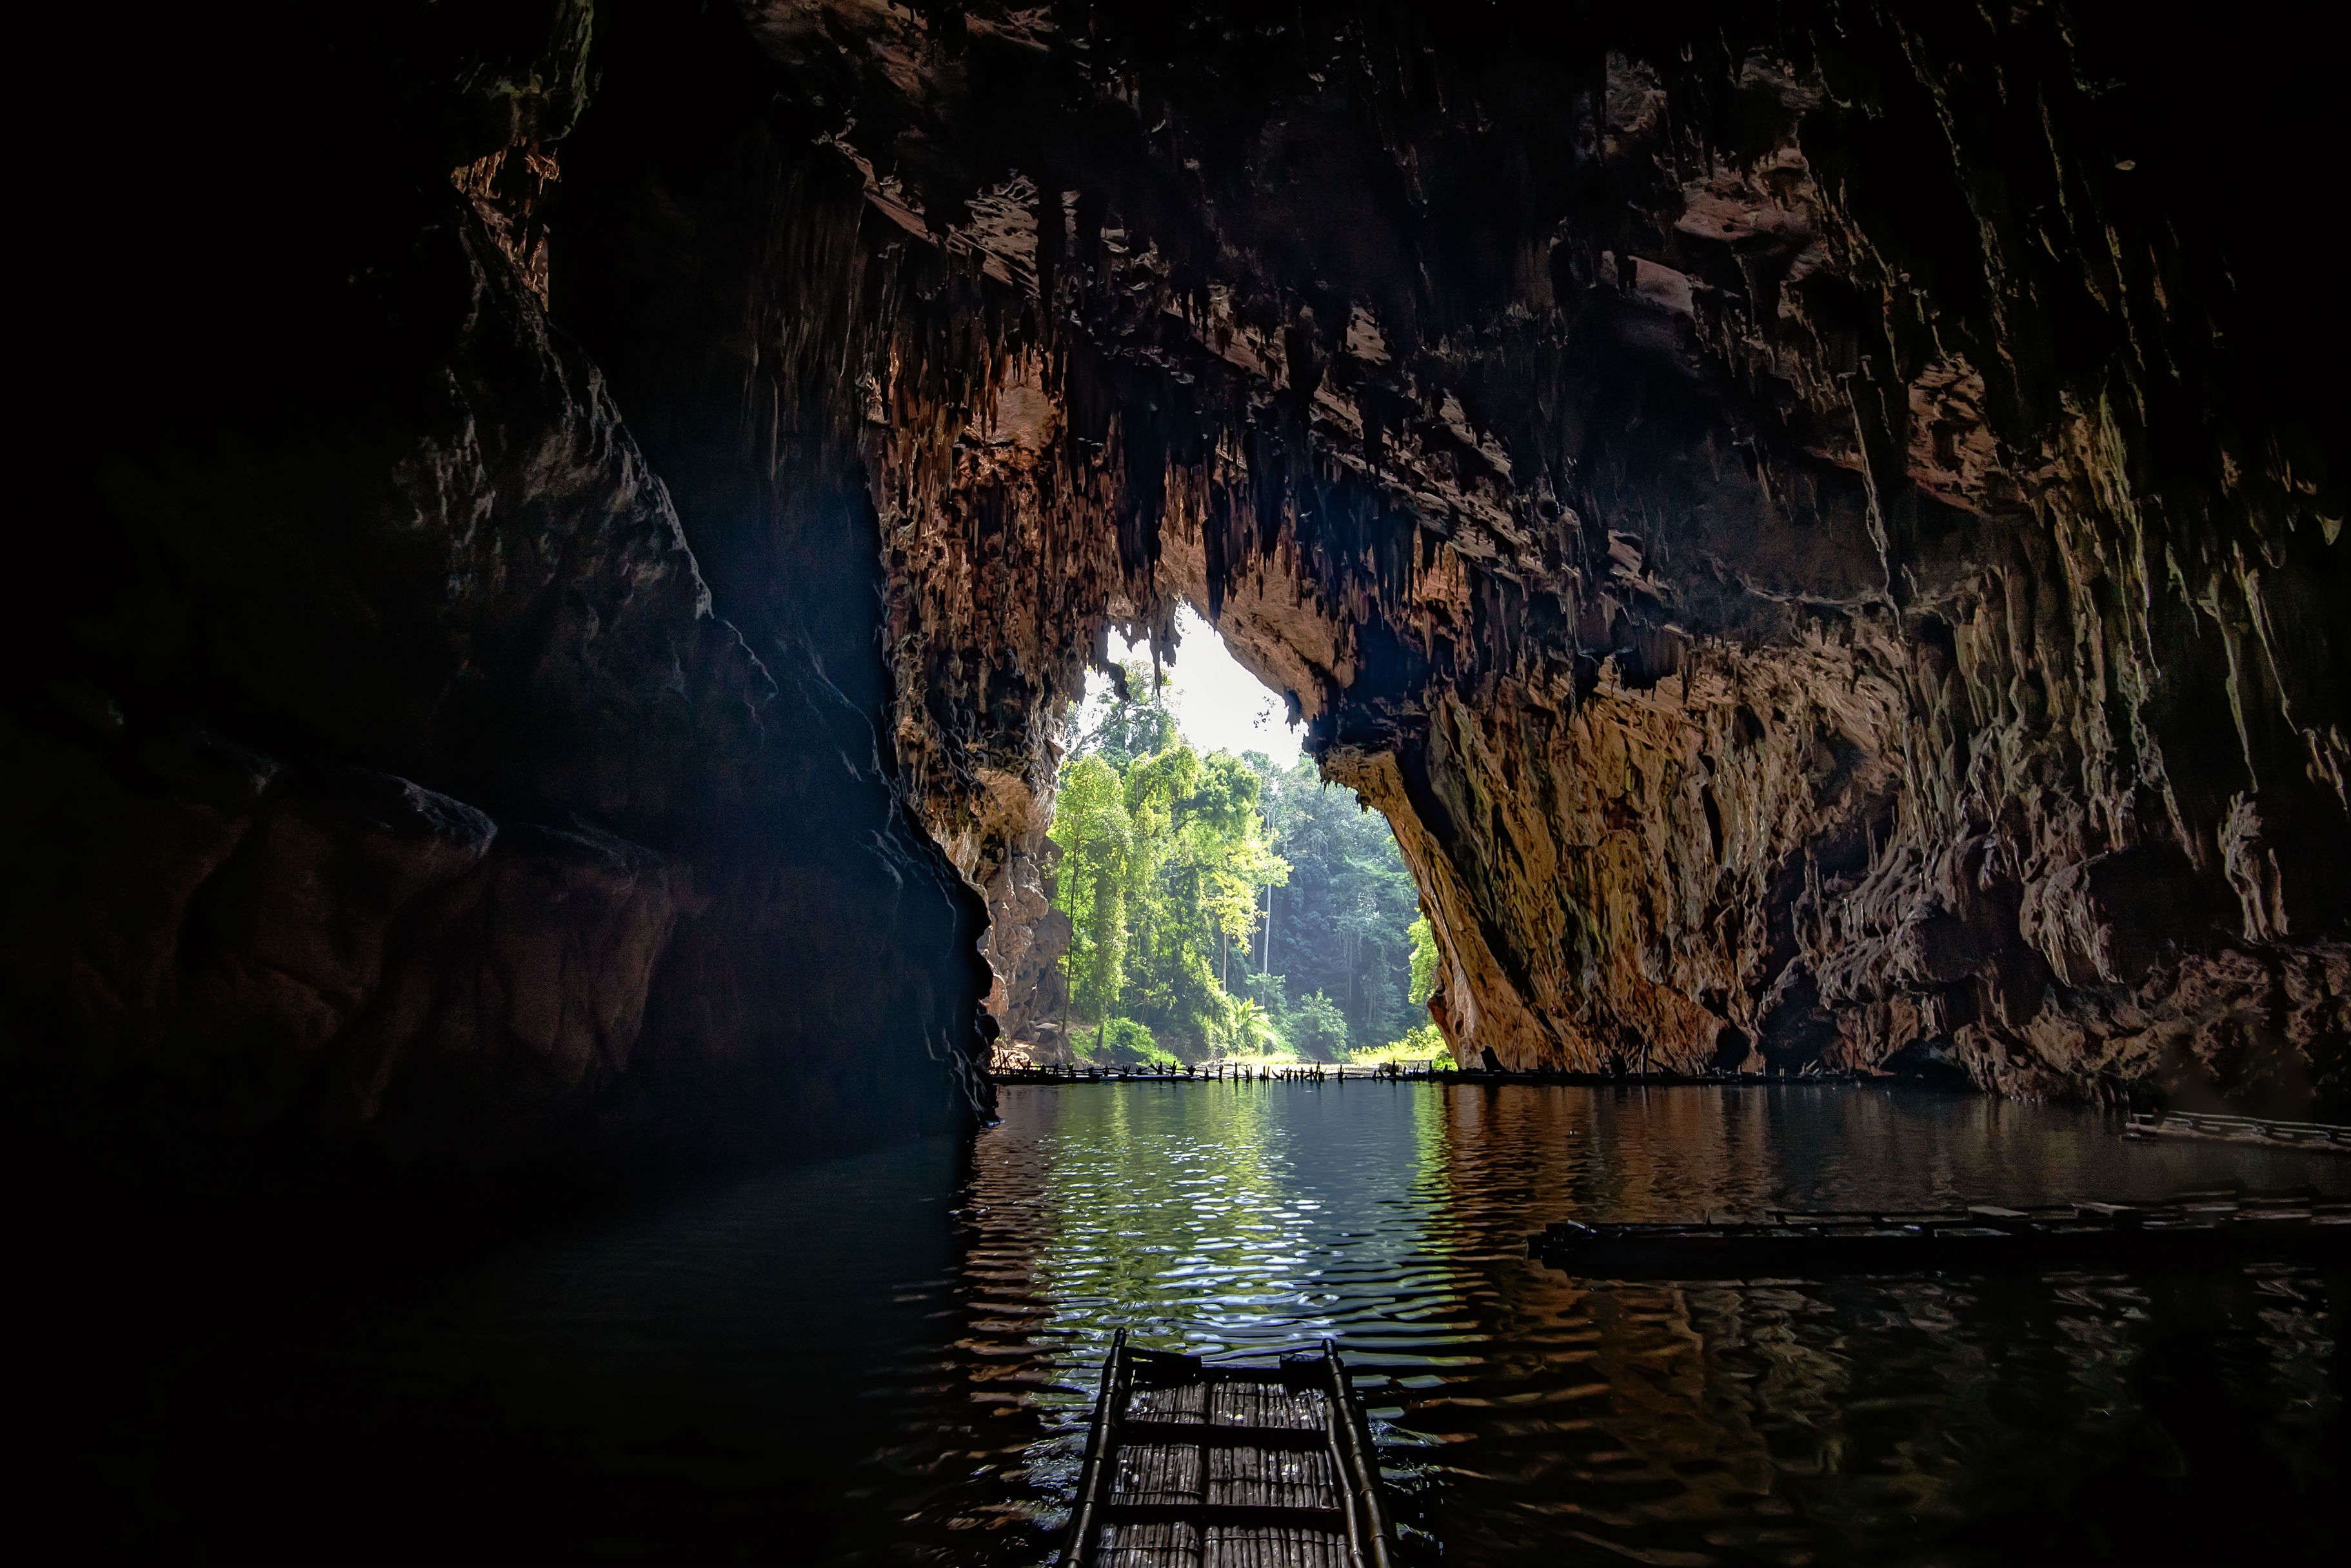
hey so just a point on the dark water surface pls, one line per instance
(891, 1358)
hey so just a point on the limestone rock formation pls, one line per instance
(1820, 526)
(1808, 528)
(381, 765)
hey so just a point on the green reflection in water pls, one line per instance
(1216, 1217)
(1959, 1421)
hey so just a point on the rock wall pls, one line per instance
(382, 767)
(1813, 527)
(576, 525)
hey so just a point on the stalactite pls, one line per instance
(1540, 501)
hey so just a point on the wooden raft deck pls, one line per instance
(1194, 1464)
(2191, 1231)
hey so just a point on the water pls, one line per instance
(1526, 1417)
(892, 1358)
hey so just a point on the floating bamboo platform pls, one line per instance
(2192, 1230)
(1197, 1464)
(2257, 1131)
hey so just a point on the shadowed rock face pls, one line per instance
(1818, 528)
(379, 762)
(1814, 530)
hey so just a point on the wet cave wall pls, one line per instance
(404, 755)
(574, 524)
(1818, 528)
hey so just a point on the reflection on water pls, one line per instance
(890, 1359)
(1526, 1417)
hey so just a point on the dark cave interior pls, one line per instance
(571, 526)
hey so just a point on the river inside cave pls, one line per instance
(891, 1357)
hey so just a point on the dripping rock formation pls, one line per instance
(1819, 526)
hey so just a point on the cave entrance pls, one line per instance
(1215, 702)
(1216, 899)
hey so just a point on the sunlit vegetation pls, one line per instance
(1421, 1047)
(1421, 1043)
(1224, 907)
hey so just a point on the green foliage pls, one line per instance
(1318, 1030)
(1123, 1042)
(1225, 904)
(1134, 724)
(1424, 962)
(1414, 1049)
(1340, 923)
(1163, 860)
(1248, 1029)
(1097, 839)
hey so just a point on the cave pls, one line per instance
(572, 530)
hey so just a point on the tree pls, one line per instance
(1317, 1028)
(1096, 835)
(1191, 866)
(1228, 850)
(1340, 923)
(1167, 980)
(1424, 962)
(1130, 720)
(1249, 1028)
(1192, 881)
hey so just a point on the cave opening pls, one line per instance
(1213, 900)
(591, 965)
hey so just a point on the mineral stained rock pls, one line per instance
(1814, 528)
(1819, 526)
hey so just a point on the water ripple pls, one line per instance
(1526, 1417)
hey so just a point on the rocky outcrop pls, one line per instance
(1808, 528)
(1819, 528)
(517, 846)
(329, 944)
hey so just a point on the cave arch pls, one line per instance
(1536, 565)
(1784, 551)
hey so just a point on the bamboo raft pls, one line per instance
(2192, 1230)
(2258, 1131)
(1195, 1464)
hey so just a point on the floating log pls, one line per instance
(1197, 1464)
(2192, 1230)
(2262, 1132)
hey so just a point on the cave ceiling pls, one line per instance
(1819, 526)
(1802, 521)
